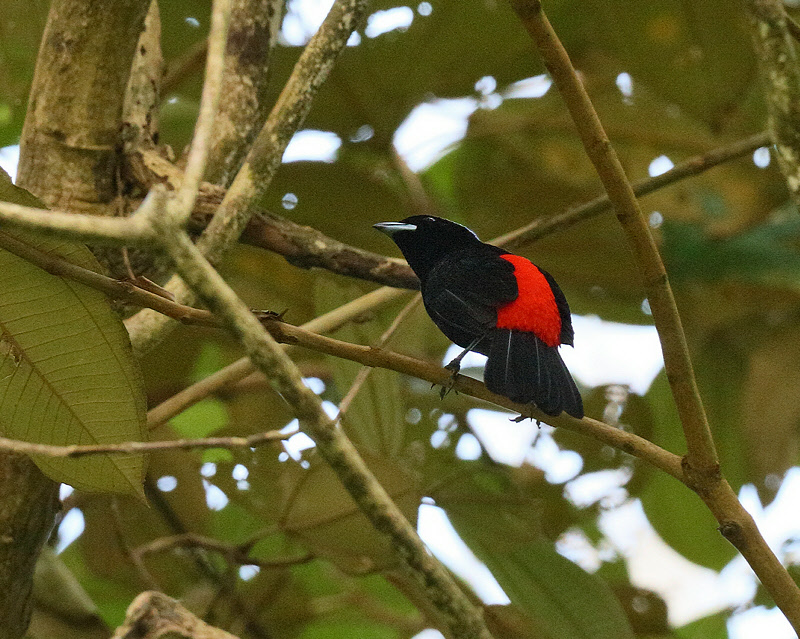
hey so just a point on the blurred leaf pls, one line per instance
(771, 411)
(510, 622)
(646, 611)
(202, 419)
(678, 516)
(61, 601)
(20, 32)
(320, 512)
(711, 627)
(563, 601)
(111, 596)
(767, 254)
(67, 374)
(375, 419)
(360, 91)
(705, 71)
(327, 200)
(487, 508)
(721, 371)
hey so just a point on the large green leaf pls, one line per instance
(376, 417)
(697, 55)
(680, 517)
(505, 528)
(563, 600)
(322, 515)
(67, 373)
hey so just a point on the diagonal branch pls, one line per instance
(701, 454)
(695, 165)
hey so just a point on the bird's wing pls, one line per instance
(463, 292)
(567, 333)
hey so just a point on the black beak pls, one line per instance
(390, 228)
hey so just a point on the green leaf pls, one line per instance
(564, 601)
(713, 627)
(320, 513)
(376, 417)
(67, 373)
(681, 519)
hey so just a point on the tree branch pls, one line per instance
(119, 231)
(239, 554)
(147, 329)
(153, 615)
(242, 111)
(780, 75)
(695, 165)
(701, 453)
(129, 448)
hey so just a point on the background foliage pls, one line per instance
(729, 240)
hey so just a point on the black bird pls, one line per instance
(488, 300)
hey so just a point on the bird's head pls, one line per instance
(425, 240)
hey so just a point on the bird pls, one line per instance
(502, 305)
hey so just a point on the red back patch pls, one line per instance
(535, 308)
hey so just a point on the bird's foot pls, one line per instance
(453, 367)
(523, 417)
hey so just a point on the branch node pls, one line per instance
(733, 532)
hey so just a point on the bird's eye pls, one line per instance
(430, 219)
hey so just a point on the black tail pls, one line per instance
(524, 369)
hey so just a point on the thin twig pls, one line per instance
(129, 448)
(381, 342)
(695, 165)
(182, 203)
(234, 553)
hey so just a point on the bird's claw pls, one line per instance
(523, 417)
(453, 367)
